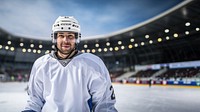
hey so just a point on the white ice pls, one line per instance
(130, 98)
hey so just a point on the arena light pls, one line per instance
(53, 46)
(99, 50)
(24, 50)
(6, 47)
(197, 29)
(187, 32)
(175, 35)
(167, 37)
(82, 51)
(122, 47)
(119, 42)
(9, 42)
(21, 44)
(132, 39)
(34, 50)
(111, 49)
(130, 46)
(29, 50)
(85, 46)
(47, 51)
(38, 51)
(151, 41)
(146, 36)
(32, 45)
(12, 48)
(105, 49)
(159, 39)
(142, 43)
(108, 43)
(96, 45)
(116, 48)
(136, 45)
(1, 46)
(166, 30)
(88, 50)
(187, 24)
(40, 46)
(93, 50)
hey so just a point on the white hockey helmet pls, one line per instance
(66, 23)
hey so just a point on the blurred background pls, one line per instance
(146, 42)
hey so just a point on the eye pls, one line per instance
(61, 36)
(71, 36)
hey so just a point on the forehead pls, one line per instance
(65, 33)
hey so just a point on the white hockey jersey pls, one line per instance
(80, 85)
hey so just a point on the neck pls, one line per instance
(61, 55)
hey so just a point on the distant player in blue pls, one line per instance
(67, 80)
(150, 82)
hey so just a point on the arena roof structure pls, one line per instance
(172, 36)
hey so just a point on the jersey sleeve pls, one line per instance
(35, 91)
(102, 91)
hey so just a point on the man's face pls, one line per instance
(66, 41)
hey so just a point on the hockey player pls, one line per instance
(67, 80)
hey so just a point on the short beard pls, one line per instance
(65, 53)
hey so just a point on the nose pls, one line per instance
(66, 39)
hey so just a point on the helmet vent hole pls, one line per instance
(61, 27)
(69, 28)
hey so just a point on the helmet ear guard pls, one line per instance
(53, 37)
(78, 38)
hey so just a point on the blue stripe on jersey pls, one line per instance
(28, 111)
(90, 104)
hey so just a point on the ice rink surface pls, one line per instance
(130, 98)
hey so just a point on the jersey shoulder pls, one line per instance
(43, 59)
(90, 57)
(90, 60)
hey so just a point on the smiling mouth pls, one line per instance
(66, 46)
